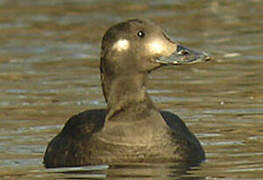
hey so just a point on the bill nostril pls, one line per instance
(183, 52)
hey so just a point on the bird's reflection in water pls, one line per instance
(169, 171)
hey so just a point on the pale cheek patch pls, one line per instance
(156, 47)
(121, 45)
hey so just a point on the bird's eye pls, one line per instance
(140, 34)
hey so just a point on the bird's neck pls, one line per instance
(126, 92)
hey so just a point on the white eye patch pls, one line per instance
(121, 45)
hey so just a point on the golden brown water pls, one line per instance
(49, 53)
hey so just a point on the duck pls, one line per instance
(131, 128)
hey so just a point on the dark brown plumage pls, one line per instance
(131, 129)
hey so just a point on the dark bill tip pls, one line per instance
(184, 55)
